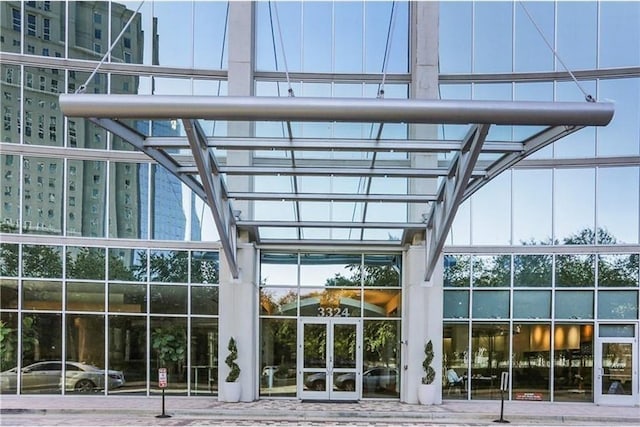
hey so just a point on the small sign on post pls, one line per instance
(504, 386)
(162, 383)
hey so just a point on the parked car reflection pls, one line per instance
(47, 377)
(375, 379)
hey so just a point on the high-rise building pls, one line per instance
(287, 175)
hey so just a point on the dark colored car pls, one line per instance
(47, 377)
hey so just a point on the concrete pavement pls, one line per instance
(141, 410)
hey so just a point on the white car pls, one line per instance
(47, 377)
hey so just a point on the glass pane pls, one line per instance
(382, 270)
(168, 266)
(457, 270)
(575, 270)
(204, 356)
(330, 302)
(278, 363)
(382, 303)
(168, 350)
(531, 51)
(315, 346)
(577, 28)
(173, 48)
(43, 120)
(8, 260)
(85, 356)
(82, 296)
(278, 301)
(532, 270)
(455, 349)
(574, 206)
(381, 358)
(455, 37)
(532, 195)
(493, 26)
(627, 331)
(330, 269)
(209, 39)
(128, 298)
(128, 352)
(491, 304)
(573, 363)
(489, 358)
(490, 214)
(128, 264)
(491, 271)
(617, 205)
(85, 263)
(168, 299)
(620, 137)
(86, 198)
(344, 345)
(129, 189)
(531, 353)
(532, 304)
(618, 270)
(348, 37)
(43, 188)
(456, 304)
(204, 300)
(167, 209)
(10, 84)
(41, 353)
(42, 261)
(10, 181)
(618, 375)
(41, 295)
(317, 36)
(8, 294)
(278, 269)
(205, 267)
(9, 359)
(574, 304)
(618, 305)
(619, 27)
(581, 143)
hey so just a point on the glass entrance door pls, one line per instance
(329, 359)
(616, 365)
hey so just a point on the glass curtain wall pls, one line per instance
(294, 286)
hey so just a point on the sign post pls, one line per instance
(504, 386)
(162, 384)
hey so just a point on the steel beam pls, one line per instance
(329, 224)
(451, 195)
(364, 110)
(334, 197)
(215, 193)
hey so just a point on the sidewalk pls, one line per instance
(116, 410)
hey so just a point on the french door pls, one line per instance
(616, 367)
(329, 358)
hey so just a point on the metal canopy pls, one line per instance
(445, 172)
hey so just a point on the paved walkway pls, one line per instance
(140, 410)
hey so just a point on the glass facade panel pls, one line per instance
(531, 53)
(278, 357)
(85, 263)
(532, 203)
(41, 353)
(323, 302)
(619, 27)
(83, 296)
(617, 205)
(456, 304)
(532, 270)
(455, 361)
(574, 305)
(278, 301)
(168, 266)
(490, 305)
(489, 357)
(493, 27)
(620, 137)
(382, 303)
(618, 305)
(491, 271)
(204, 356)
(86, 194)
(576, 44)
(9, 260)
(128, 264)
(205, 267)
(380, 359)
(573, 363)
(618, 270)
(42, 196)
(129, 298)
(129, 206)
(532, 304)
(41, 295)
(490, 213)
(128, 352)
(204, 300)
(85, 346)
(531, 366)
(574, 198)
(457, 271)
(168, 350)
(575, 270)
(8, 294)
(168, 299)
